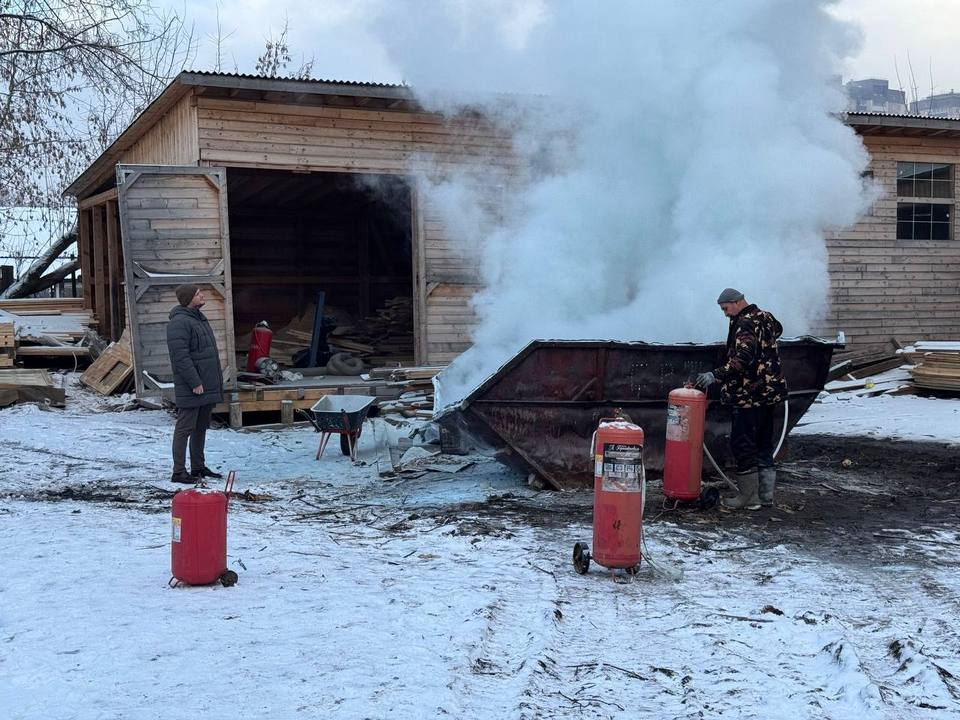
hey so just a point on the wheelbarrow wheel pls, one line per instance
(346, 441)
(581, 558)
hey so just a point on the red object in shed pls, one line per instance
(683, 452)
(199, 543)
(618, 495)
(260, 340)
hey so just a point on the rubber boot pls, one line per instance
(747, 499)
(768, 484)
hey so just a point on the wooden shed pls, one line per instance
(265, 191)
(896, 273)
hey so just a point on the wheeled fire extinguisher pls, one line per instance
(618, 495)
(198, 549)
(260, 340)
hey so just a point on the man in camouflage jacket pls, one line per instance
(751, 380)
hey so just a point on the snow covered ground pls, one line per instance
(362, 598)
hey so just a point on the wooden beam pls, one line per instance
(97, 199)
(85, 251)
(99, 269)
(363, 263)
(114, 275)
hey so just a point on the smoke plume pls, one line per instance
(678, 148)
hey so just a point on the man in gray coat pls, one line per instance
(197, 381)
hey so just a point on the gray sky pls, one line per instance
(927, 30)
(338, 35)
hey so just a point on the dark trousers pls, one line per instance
(751, 437)
(192, 424)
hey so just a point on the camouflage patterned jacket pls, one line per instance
(752, 375)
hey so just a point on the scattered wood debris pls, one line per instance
(18, 386)
(386, 336)
(112, 372)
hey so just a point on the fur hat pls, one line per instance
(185, 293)
(729, 295)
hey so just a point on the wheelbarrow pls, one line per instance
(341, 415)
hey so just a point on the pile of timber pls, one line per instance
(8, 344)
(48, 327)
(875, 374)
(416, 390)
(937, 365)
(385, 336)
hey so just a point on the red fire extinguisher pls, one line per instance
(198, 551)
(683, 453)
(618, 495)
(260, 340)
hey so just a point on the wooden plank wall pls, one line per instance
(270, 135)
(172, 140)
(173, 226)
(881, 287)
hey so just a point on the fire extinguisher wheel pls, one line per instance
(581, 558)
(229, 578)
(709, 497)
(632, 570)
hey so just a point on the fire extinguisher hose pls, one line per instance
(673, 573)
(783, 435)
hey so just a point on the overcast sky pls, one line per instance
(341, 38)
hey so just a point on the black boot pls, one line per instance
(206, 472)
(181, 477)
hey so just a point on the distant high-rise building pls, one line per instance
(944, 105)
(875, 95)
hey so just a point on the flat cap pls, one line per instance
(729, 295)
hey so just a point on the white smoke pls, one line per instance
(693, 146)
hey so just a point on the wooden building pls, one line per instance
(265, 191)
(895, 275)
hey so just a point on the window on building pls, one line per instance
(924, 180)
(932, 219)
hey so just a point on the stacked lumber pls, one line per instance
(48, 327)
(29, 386)
(412, 404)
(387, 335)
(938, 365)
(112, 372)
(8, 344)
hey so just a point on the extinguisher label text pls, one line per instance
(622, 467)
(176, 529)
(678, 422)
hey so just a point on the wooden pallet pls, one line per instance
(110, 372)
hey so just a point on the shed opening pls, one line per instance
(348, 236)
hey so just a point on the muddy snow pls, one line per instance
(452, 594)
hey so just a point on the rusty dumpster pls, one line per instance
(538, 412)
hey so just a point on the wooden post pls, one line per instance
(113, 270)
(6, 277)
(286, 412)
(236, 415)
(85, 249)
(100, 271)
(363, 263)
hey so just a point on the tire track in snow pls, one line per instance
(514, 628)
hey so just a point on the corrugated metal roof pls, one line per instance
(902, 116)
(318, 81)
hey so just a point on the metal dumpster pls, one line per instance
(538, 412)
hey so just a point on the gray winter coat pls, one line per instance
(194, 358)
